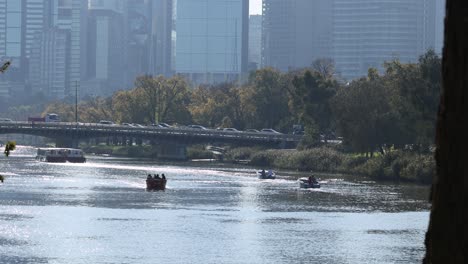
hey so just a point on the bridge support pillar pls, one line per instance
(172, 150)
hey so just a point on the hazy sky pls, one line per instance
(255, 7)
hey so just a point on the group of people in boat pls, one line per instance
(156, 177)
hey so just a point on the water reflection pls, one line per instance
(100, 212)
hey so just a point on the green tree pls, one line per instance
(364, 114)
(9, 146)
(264, 101)
(164, 98)
(210, 105)
(310, 95)
(418, 87)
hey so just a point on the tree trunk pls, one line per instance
(446, 235)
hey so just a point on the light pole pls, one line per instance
(76, 102)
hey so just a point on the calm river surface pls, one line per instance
(99, 212)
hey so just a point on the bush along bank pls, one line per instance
(398, 165)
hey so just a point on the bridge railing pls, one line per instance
(151, 131)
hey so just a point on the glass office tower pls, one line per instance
(211, 40)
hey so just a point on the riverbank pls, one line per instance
(396, 166)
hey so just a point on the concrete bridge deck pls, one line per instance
(83, 131)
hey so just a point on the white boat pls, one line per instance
(307, 184)
(60, 155)
(265, 175)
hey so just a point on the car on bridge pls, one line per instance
(5, 120)
(251, 130)
(270, 130)
(197, 127)
(106, 122)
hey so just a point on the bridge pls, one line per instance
(172, 142)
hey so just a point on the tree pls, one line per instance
(447, 233)
(210, 105)
(310, 95)
(364, 114)
(324, 66)
(164, 98)
(264, 101)
(9, 146)
(416, 91)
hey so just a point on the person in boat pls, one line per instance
(312, 180)
(157, 176)
(163, 176)
(270, 174)
(149, 177)
(263, 173)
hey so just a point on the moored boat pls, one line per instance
(308, 183)
(156, 184)
(60, 155)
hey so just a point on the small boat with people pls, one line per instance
(308, 183)
(156, 183)
(60, 155)
(266, 175)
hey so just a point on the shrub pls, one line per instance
(198, 152)
(244, 153)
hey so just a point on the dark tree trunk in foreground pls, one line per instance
(447, 233)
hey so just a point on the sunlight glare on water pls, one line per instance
(100, 212)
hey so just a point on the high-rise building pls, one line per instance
(296, 32)
(148, 38)
(366, 33)
(49, 55)
(11, 24)
(62, 56)
(105, 62)
(255, 41)
(211, 40)
(71, 15)
(20, 20)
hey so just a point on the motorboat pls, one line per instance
(155, 184)
(60, 155)
(266, 175)
(305, 183)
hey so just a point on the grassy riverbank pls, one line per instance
(398, 165)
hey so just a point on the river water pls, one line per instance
(100, 212)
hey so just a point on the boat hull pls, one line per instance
(266, 176)
(306, 185)
(76, 159)
(156, 184)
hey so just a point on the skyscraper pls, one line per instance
(296, 32)
(105, 61)
(49, 55)
(211, 40)
(367, 33)
(72, 16)
(255, 40)
(148, 36)
(62, 56)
